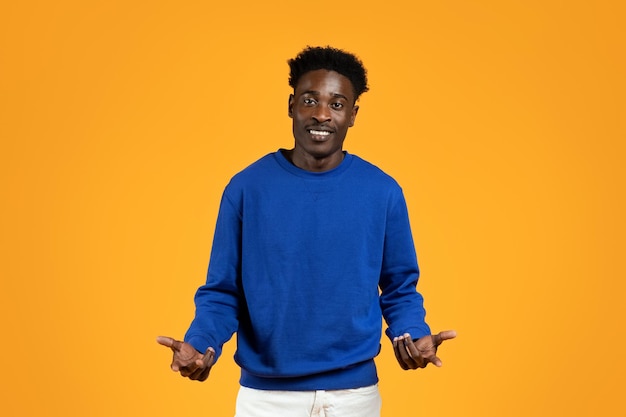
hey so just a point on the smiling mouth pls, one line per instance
(322, 133)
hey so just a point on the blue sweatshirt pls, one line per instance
(297, 262)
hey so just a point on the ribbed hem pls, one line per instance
(357, 376)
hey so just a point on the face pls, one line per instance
(322, 108)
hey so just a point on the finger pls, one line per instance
(204, 366)
(414, 352)
(169, 342)
(195, 375)
(435, 361)
(445, 335)
(414, 356)
(396, 351)
(404, 353)
(165, 341)
(188, 370)
(208, 358)
(204, 375)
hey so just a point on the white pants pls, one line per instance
(359, 402)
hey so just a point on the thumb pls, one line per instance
(169, 342)
(445, 335)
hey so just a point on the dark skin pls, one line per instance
(323, 108)
(187, 360)
(419, 353)
(409, 354)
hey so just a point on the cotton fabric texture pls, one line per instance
(297, 262)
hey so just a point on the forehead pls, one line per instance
(325, 82)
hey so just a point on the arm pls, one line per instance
(401, 304)
(217, 302)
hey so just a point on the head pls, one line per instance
(331, 59)
(326, 85)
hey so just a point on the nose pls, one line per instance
(321, 113)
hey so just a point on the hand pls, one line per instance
(187, 360)
(418, 354)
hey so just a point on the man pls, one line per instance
(304, 240)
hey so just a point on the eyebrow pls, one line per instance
(317, 93)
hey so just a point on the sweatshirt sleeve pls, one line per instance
(401, 304)
(218, 301)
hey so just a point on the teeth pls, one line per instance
(319, 132)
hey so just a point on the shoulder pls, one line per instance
(371, 174)
(256, 171)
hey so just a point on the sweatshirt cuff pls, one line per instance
(416, 332)
(201, 344)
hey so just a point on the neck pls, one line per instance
(311, 163)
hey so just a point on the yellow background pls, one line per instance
(122, 121)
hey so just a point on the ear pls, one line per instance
(355, 110)
(290, 108)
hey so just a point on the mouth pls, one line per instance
(318, 134)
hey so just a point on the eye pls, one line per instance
(336, 105)
(309, 101)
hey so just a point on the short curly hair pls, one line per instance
(331, 59)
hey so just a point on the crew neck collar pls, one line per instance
(286, 164)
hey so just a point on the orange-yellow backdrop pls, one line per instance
(121, 122)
